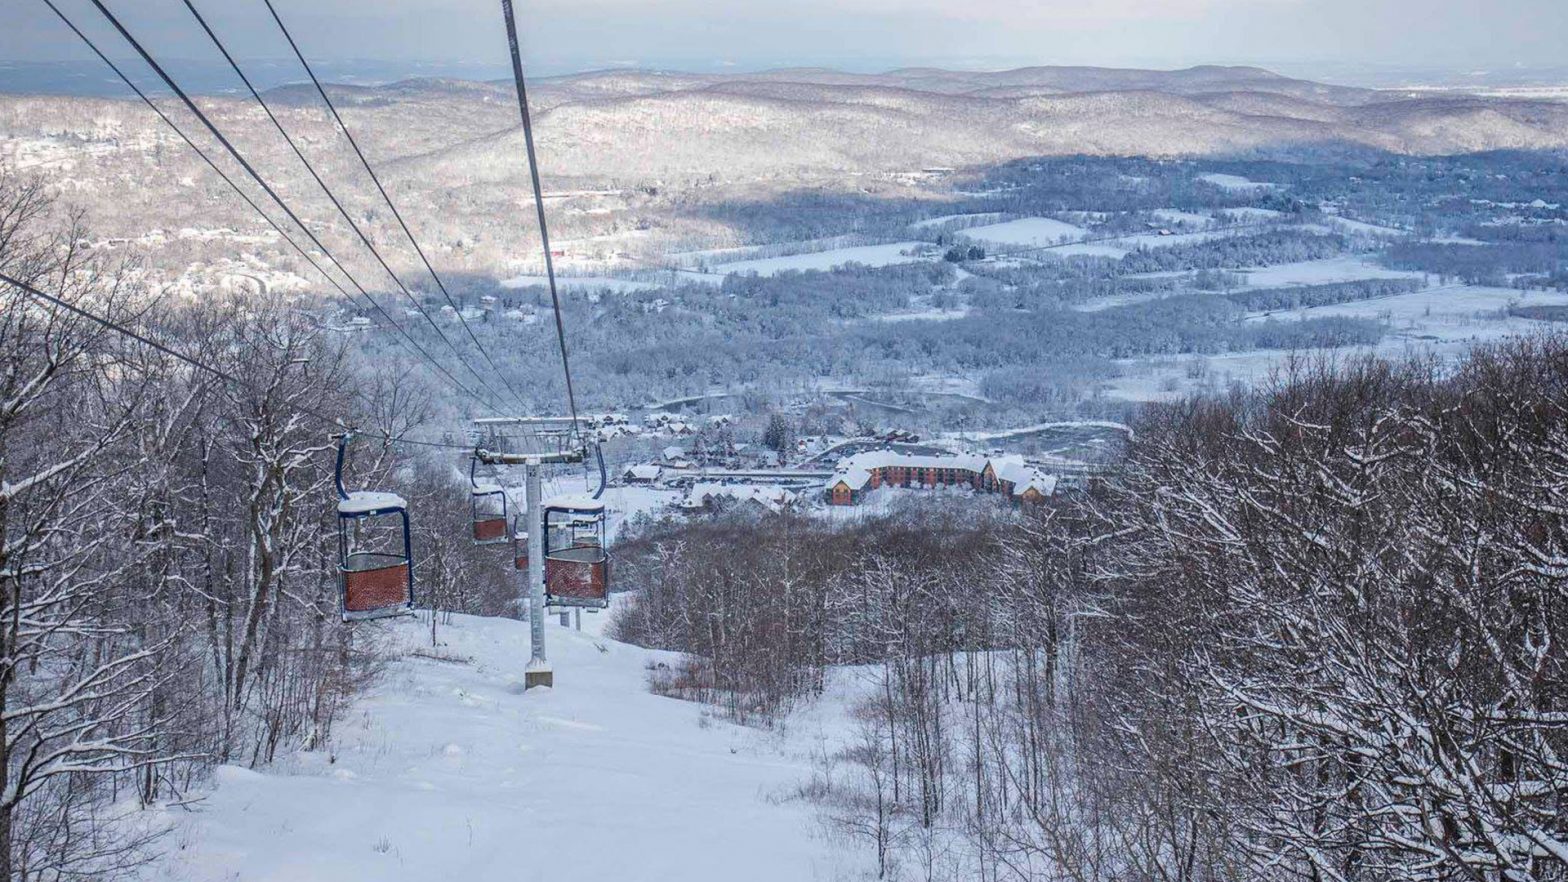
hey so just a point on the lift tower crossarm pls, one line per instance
(567, 457)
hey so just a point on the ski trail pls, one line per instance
(447, 770)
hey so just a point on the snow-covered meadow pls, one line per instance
(1029, 232)
(865, 255)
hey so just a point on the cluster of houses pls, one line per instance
(615, 425)
(675, 459)
(714, 496)
(673, 424)
(489, 305)
(1006, 475)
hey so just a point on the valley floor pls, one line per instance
(447, 770)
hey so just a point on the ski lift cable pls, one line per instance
(256, 176)
(337, 203)
(544, 232)
(409, 343)
(110, 324)
(376, 179)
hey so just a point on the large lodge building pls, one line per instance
(1009, 476)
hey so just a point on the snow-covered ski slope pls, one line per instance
(446, 771)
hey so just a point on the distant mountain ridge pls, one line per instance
(1014, 83)
(630, 124)
(457, 142)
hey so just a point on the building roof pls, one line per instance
(645, 472)
(1044, 484)
(774, 498)
(855, 471)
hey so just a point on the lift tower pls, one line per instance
(535, 443)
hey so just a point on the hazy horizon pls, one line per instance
(88, 77)
(1373, 43)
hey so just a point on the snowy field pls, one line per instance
(1155, 240)
(581, 283)
(1248, 214)
(924, 315)
(1037, 428)
(1318, 272)
(1236, 183)
(1362, 228)
(1439, 312)
(867, 255)
(1310, 272)
(1177, 216)
(448, 770)
(1088, 249)
(1444, 322)
(1029, 232)
(942, 219)
(622, 503)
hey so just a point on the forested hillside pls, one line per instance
(168, 575)
(1308, 632)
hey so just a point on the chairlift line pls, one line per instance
(332, 197)
(198, 150)
(287, 237)
(567, 534)
(196, 363)
(533, 172)
(256, 176)
(576, 570)
(376, 179)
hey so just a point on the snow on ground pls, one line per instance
(956, 385)
(926, 315)
(1155, 240)
(1043, 427)
(1177, 216)
(581, 283)
(1443, 322)
(1235, 182)
(680, 257)
(1098, 304)
(1318, 272)
(447, 770)
(1247, 214)
(868, 255)
(1440, 311)
(1362, 228)
(1310, 272)
(942, 219)
(1088, 249)
(1030, 232)
(1121, 247)
(622, 503)
(886, 500)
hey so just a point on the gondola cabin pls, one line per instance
(576, 563)
(374, 557)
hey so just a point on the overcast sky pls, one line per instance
(1458, 36)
